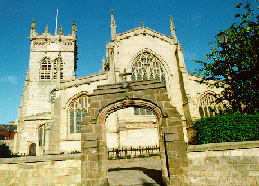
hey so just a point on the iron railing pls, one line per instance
(123, 153)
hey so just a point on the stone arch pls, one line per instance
(146, 94)
(76, 96)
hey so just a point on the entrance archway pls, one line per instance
(149, 94)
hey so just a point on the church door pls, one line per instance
(32, 149)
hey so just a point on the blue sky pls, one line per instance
(197, 23)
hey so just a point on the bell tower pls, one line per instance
(52, 60)
(48, 52)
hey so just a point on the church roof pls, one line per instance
(145, 31)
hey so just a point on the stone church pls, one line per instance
(54, 102)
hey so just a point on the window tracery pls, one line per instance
(210, 106)
(55, 66)
(49, 68)
(45, 69)
(77, 110)
(147, 66)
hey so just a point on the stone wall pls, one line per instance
(41, 170)
(235, 163)
(232, 163)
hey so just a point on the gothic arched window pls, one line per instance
(209, 106)
(55, 63)
(147, 66)
(45, 68)
(77, 109)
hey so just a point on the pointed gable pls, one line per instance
(146, 32)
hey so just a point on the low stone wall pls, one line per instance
(211, 164)
(232, 163)
(41, 170)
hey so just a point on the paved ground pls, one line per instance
(146, 171)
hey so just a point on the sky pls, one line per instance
(197, 23)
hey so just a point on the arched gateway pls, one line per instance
(148, 94)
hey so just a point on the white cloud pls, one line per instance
(9, 79)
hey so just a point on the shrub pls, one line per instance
(227, 128)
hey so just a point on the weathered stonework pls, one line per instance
(230, 163)
(109, 99)
(50, 113)
(43, 170)
(234, 163)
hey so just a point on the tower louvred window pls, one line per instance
(45, 69)
(55, 66)
(49, 69)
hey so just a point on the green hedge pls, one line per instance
(227, 128)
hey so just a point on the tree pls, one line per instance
(5, 152)
(236, 67)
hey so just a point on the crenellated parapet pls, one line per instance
(47, 42)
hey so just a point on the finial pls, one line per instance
(60, 29)
(143, 23)
(33, 27)
(74, 29)
(46, 29)
(172, 28)
(171, 23)
(112, 18)
(113, 26)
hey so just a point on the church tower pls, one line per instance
(52, 61)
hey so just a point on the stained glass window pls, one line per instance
(42, 135)
(209, 106)
(77, 111)
(147, 66)
(142, 111)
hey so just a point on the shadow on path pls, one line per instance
(156, 175)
